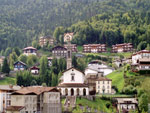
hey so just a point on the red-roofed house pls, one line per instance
(34, 70)
(125, 47)
(94, 48)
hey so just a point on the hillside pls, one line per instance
(25, 20)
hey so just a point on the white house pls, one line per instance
(34, 70)
(103, 85)
(30, 51)
(126, 104)
(141, 60)
(73, 83)
(95, 68)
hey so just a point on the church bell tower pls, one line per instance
(69, 55)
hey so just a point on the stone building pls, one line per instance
(35, 99)
(103, 85)
(73, 83)
(5, 96)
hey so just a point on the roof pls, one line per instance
(29, 48)
(56, 47)
(103, 79)
(123, 44)
(69, 34)
(126, 100)
(14, 108)
(142, 51)
(20, 62)
(98, 67)
(37, 90)
(34, 67)
(144, 60)
(2, 57)
(49, 58)
(94, 45)
(72, 85)
(72, 68)
(49, 36)
(9, 87)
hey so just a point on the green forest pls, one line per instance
(97, 21)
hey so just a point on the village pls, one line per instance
(92, 83)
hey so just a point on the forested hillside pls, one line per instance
(22, 21)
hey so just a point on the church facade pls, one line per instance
(73, 83)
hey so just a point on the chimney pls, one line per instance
(100, 74)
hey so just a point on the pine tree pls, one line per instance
(5, 67)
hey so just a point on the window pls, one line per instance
(103, 82)
(72, 78)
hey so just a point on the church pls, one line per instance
(73, 80)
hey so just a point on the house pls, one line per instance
(73, 47)
(5, 96)
(94, 48)
(73, 83)
(59, 52)
(126, 104)
(49, 61)
(117, 62)
(68, 37)
(1, 60)
(46, 40)
(19, 66)
(141, 61)
(103, 85)
(34, 70)
(35, 99)
(30, 51)
(95, 68)
(125, 47)
(91, 81)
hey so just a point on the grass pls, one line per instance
(98, 104)
(8, 80)
(117, 79)
(80, 48)
(114, 95)
(108, 54)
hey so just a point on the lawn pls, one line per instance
(8, 80)
(98, 104)
(108, 54)
(117, 79)
(80, 48)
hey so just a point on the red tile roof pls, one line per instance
(29, 48)
(37, 90)
(72, 85)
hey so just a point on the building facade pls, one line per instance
(36, 99)
(94, 48)
(30, 51)
(59, 52)
(141, 61)
(19, 66)
(103, 85)
(68, 37)
(34, 70)
(125, 47)
(72, 46)
(126, 104)
(43, 41)
(1, 60)
(73, 83)
(5, 96)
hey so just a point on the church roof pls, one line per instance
(72, 85)
(73, 68)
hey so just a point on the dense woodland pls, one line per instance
(23, 21)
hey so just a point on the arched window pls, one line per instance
(72, 78)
